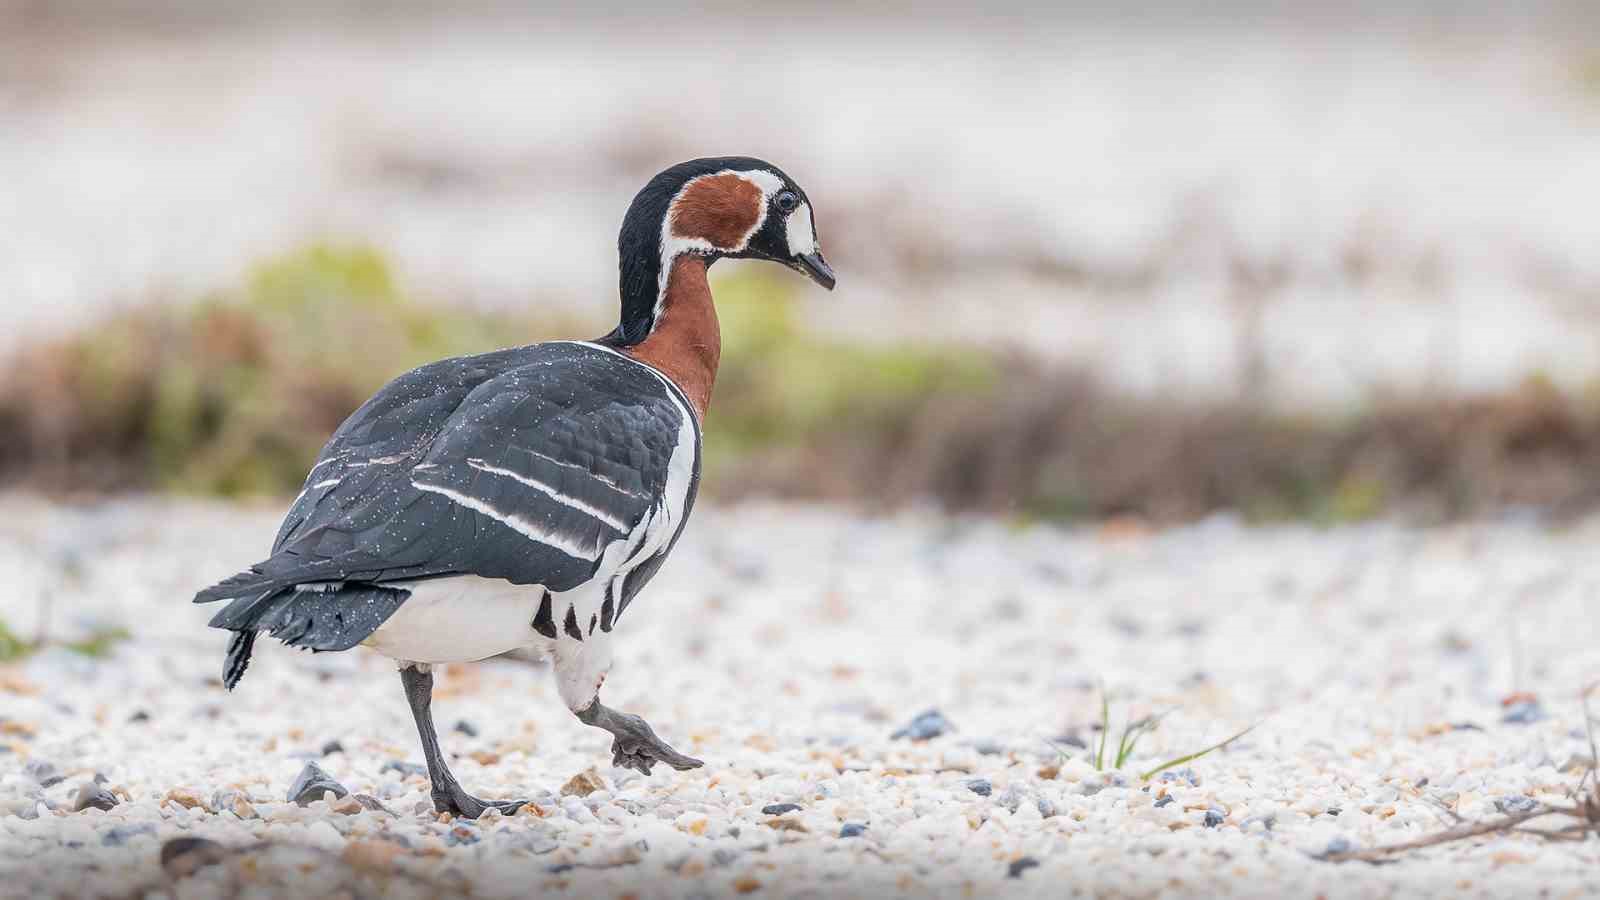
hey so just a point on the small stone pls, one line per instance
(1186, 775)
(1523, 712)
(746, 885)
(778, 809)
(140, 716)
(926, 726)
(185, 798)
(324, 835)
(229, 800)
(373, 856)
(331, 748)
(852, 829)
(484, 757)
(405, 769)
(311, 784)
(980, 786)
(462, 833)
(118, 835)
(1018, 866)
(778, 823)
(93, 795)
(1337, 846)
(466, 728)
(1215, 817)
(1047, 808)
(583, 784)
(1516, 803)
(1163, 800)
(43, 772)
(182, 857)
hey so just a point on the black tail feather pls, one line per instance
(331, 617)
(238, 658)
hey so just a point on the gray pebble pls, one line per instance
(405, 769)
(1338, 845)
(1163, 800)
(183, 856)
(928, 725)
(724, 856)
(980, 786)
(93, 795)
(43, 772)
(312, 783)
(778, 809)
(1184, 774)
(1524, 713)
(331, 748)
(466, 728)
(1019, 866)
(1516, 803)
(1215, 817)
(1047, 808)
(1011, 798)
(852, 829)
(118, 835)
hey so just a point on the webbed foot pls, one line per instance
(636, 745)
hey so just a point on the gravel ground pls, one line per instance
(787, 646)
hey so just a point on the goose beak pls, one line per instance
(814, 265)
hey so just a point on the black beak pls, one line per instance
(814, 265)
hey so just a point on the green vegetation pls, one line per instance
(11, 646)
(1132, 731)
(234, 395)
(97, 645)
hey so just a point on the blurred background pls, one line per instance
(1315, 261)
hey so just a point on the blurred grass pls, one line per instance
(233, 395)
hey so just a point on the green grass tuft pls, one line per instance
(1128, 741)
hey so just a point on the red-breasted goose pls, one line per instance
(521, 498)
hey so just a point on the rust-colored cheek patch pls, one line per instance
(721, 209)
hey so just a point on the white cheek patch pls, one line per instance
(802, 237)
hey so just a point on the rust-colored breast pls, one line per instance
(686, 343)
(721, 209)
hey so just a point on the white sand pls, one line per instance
(784, 646)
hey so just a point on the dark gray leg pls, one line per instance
(636, 745)
(447, 793)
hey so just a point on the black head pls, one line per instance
(733, 206)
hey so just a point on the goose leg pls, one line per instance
(636, 745)
(448, 795)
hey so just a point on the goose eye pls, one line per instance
(787, 201)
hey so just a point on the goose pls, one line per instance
(522, 498)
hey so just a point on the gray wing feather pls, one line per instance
(520, 465)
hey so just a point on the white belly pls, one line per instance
(459, 619)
